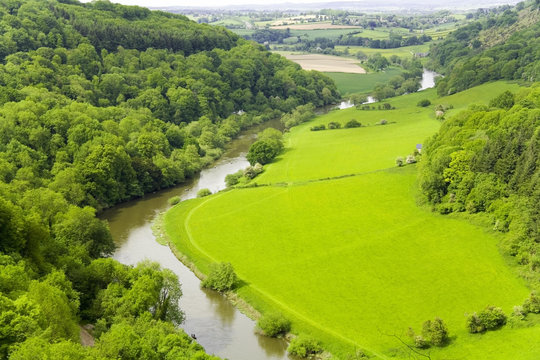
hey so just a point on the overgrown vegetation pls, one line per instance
(274, 324)
(304, 346)
(221, 277)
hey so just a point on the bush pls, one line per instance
(423, 103)
(221, 277)
(304, 346)
(352, 124)
(435, 332)
(174, 200)
(318, 127)
(203, 192)
(252, 171)
(411, 159)
(474, 325)
(532, 304)
(420, 342)
(488, 319)
(262, 151)
(503, 101)
(233, 179)
(274, 324)
(334, 125)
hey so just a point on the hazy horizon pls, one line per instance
(224, 3)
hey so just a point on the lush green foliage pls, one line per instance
(266, 148)
(174, 200)
(467, 61)
(423, 103)
(488, 319)
(274, 324)
(486, 161)
(304, 346)
(221, 277)
(203, 193)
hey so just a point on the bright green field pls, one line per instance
(323, 33)
(361, 83)
(382, 33)
(354, 260)
(405, 51)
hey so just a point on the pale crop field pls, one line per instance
(337, 242)
(314, 26)
(326, 63)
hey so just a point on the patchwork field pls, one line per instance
(326, 63)
(333, 238)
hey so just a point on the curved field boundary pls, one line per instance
(265, 294)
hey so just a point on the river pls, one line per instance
(428, 79)
(221, 328)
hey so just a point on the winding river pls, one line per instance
(221, 328)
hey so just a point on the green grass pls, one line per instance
(382, 33)
(354, 260)
(322, 33)
(361, 83)
(406, 51)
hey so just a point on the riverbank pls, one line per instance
(220, 327)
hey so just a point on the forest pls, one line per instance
(101, 103)
(486, 50)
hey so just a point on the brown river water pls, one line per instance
(221, 328)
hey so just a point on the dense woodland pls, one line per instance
(504, 46)
(101, 103)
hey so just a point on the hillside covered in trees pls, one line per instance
(101, 103)
(502, 46)
(485, 161)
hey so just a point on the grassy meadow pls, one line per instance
(405, 51)
(361, 83)
(333, 237)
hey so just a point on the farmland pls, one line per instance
(361, 83)
(326, 63)
(333, 237)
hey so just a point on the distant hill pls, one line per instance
(362, 5)
(503, 46)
